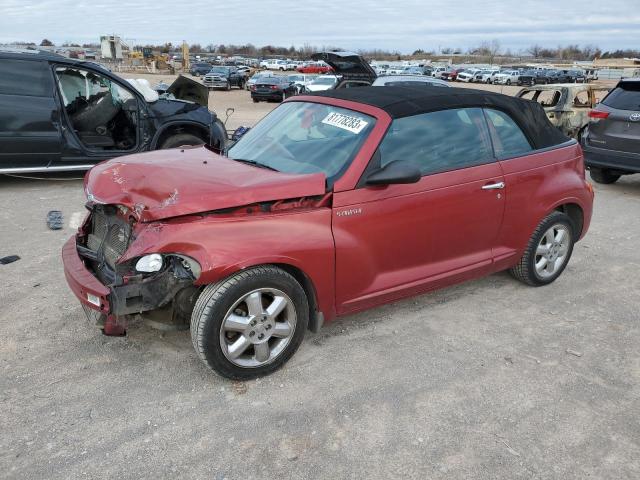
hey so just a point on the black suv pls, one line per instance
(63, 114)
(224, 77)
(611, 141)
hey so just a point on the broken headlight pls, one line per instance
(150, 263)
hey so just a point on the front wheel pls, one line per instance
(604, 176)
(181, 139)
(250, 324)
(548, 251)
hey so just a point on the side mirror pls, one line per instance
(396, 172)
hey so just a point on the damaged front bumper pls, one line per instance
(110, 306)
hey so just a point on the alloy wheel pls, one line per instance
(552, 250)
(258, 328)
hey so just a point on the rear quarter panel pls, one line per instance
(536, 185)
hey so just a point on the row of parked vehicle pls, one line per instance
(498, 76)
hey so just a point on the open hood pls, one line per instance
(170, 183)
(349, 65)
(184, 88)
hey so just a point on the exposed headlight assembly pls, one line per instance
(150, 263)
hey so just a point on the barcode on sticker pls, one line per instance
(346, 122)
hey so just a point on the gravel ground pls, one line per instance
(487, 380)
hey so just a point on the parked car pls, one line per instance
(575, 76)
(200, 68)
(450, 75)
(273, 89)
(467, 75)
(408, 81)
(437, 71)
(257, 77)
(351, 69)
(611, 141)
(224, 77)
(321, 83)
(300, 80)
(281, 65)
(300, 223)
(555, 76)
(60, 114)
(507, 77)
(314, 67)
(527, 77)
(485, 76)
(567, 106)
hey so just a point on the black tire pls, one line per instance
(215, 301)
(604, 176)
(255, 100)
(508, 82)
(525, 270)
(181, 139)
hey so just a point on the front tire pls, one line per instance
(181, 139)
(604, 176)
(548, 251)
(250, 324)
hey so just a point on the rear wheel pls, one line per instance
(181, 139)
(548, 251)
(602, 175)
(250, 324)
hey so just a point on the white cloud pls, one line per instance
(403, 25)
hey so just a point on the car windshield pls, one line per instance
(305, 137)
(324, 81)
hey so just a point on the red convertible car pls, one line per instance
(332, 204)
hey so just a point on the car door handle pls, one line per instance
(493, 186)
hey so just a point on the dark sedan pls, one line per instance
(272, 89)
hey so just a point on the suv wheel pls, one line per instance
(600, 175)
(181, 139)
(548, 251)
(250, 324)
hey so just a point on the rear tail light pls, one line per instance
(598, 114)
(274, 87)
(253, 88)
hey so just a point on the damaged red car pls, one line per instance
(332, 204)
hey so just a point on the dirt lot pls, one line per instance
(475, 381)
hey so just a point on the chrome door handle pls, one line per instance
(493, 186)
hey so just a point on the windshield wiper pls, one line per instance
(256, 164)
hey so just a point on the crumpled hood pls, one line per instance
(170, 183)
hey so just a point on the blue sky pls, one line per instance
(395, 25)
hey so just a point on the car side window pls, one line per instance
(24, 77)
(438, 141)
(508, 139)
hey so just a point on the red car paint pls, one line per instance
(191, 180)
(359, 247)
(315, 69)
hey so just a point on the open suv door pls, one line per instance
(353, 70)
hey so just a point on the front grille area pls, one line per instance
(109, 235)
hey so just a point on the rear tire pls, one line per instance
(548, 251)
(604, 176)
(232, 317)
(181, 139)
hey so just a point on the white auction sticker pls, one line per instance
(346, 122)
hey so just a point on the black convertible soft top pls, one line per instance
(401, 102)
